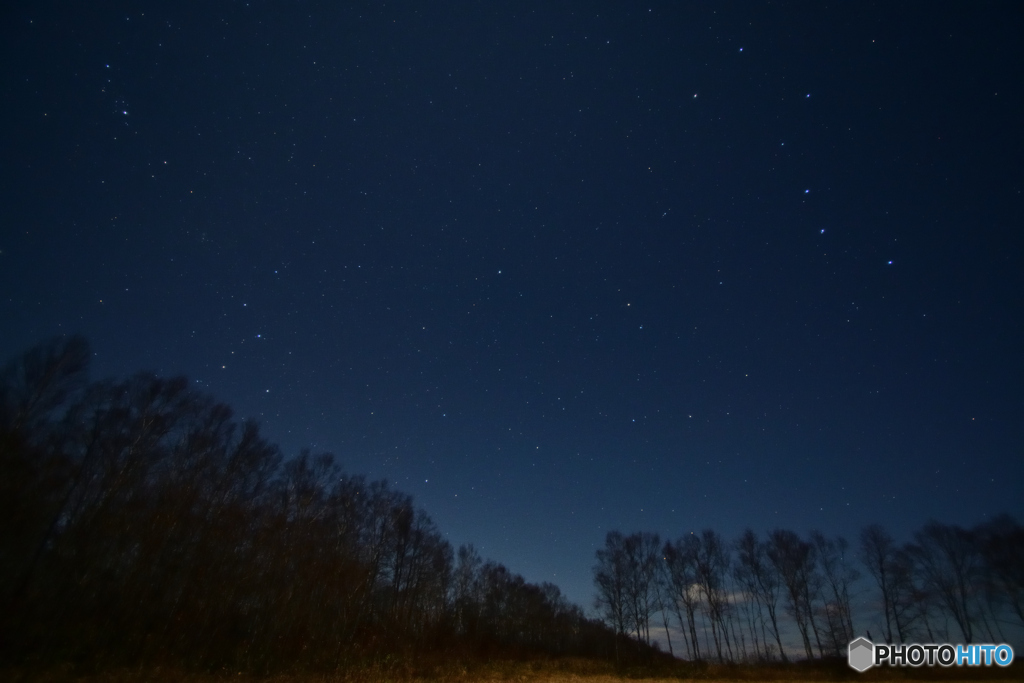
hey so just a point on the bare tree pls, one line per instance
(793, 560)
(712, 565)
(1001, 542)
(663, 594)
(611, 578)
(468, 595)
(758, 574)
(909, 595)
(950, 562)
(877, 550)
(838, 576)
(36, 453)
(643, 559)
(681, 567)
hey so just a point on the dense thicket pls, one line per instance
(739, 601)
(141, 523)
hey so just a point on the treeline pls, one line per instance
(142, 524)
(737, 600)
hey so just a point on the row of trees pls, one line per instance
(740, 600)
(141, 523)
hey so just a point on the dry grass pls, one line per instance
(536, 671)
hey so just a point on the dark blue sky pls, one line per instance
(553, 268)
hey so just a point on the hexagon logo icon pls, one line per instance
(861, 654)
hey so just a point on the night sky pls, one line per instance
(553, 268)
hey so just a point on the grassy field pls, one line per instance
(535, 671)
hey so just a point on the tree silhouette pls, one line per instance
(793, 560)
(950, 562)
(1001, 542)
(142, 523)
(681, 567)
(711, 569)
(758, 574)
(611, 577)
(838, 575)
